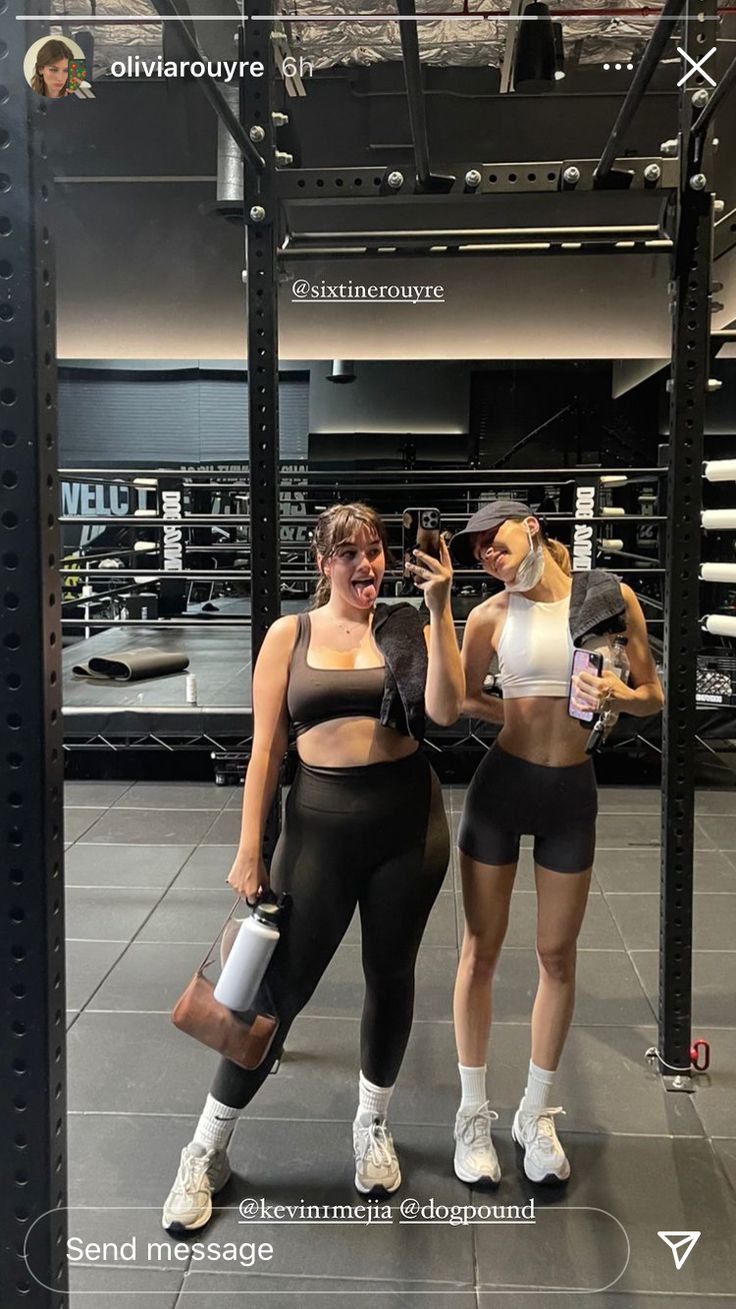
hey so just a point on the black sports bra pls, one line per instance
(316, 695)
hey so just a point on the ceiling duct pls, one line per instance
(535, 62)
(229, 159)
(449, 36)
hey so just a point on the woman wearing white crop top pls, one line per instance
(536, 779)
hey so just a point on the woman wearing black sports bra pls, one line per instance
(364, 825)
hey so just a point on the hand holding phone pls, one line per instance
(426, 557)
(583, 661)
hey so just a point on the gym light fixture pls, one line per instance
(535, 62)
(343, 370)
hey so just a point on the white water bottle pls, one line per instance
(249, 957)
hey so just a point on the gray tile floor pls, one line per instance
(145, 872)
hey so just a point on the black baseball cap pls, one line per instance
(485, 518)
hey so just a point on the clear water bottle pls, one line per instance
(620, 659)
(615, 660)
(241, 977)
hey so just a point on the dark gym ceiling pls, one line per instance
(360, 33)
(146, 271)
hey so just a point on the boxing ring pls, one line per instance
(609, 517)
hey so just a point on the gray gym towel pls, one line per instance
(596, 604)
(398, 630)
(132, 665)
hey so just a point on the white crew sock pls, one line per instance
(216, 1125)
(473, 1083)
(374, 1100)
(538, 1090)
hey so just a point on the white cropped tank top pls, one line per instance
(535, 650)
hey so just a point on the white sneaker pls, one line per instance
(475, 1155)
(544, 1158)
(201, 1174)
(377, 1169)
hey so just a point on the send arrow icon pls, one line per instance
(681, 1244)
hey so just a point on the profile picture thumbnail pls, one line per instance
(55, 67)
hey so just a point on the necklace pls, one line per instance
(354, 627)
(350, 628)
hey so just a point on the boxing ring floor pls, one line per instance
(220, 658)
(145, 871)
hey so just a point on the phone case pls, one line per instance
(584, 661)
(421, 529)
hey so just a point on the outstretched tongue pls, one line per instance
(365, 589)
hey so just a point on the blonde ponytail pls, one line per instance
(559, 553)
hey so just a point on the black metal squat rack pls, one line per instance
(573, 202)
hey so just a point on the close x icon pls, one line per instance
(697, 65)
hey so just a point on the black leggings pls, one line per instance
(375, 837)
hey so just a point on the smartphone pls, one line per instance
(421, 531)
(584, 661)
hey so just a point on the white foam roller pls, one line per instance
(720, 624)
(612, 511)
(718, 572)
(611, 544)
(614, 479)
(720, 470)
(718, 520)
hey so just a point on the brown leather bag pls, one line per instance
(200, 1015)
